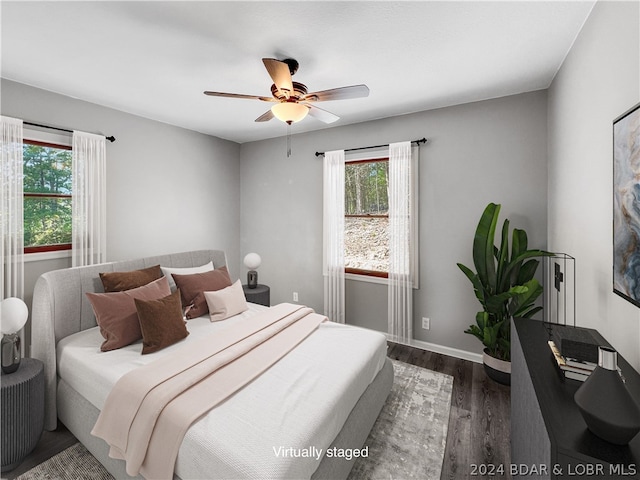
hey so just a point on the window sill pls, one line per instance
(371, 279)
(39, 256)
(366, 278)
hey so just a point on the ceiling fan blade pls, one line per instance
(322, 115)
(342, 93)
(240, 95)
(280, 74)
(265, 117)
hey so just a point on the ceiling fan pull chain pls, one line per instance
(288, 140)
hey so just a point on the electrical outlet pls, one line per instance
(295, 296)
(426, 323)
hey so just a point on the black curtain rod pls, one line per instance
(111, 138)
(417, 142)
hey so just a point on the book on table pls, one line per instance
(572, 368)
(574, 362)
(581, 377)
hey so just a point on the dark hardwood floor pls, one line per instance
(477, 439)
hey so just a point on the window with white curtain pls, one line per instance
(65, 195)
(367, 219)
(47, 191)
(387, 185)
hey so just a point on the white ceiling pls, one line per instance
(154, 59)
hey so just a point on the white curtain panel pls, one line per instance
(333, 229)
(89, 245)
(400, 292)
(11, 209)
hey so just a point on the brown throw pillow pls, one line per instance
(193, 286)
(161, 322)
(117, 316)
(120, 281)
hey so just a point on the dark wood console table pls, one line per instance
(547, 429)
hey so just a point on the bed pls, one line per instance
(325, 394)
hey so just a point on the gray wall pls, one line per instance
(171, 189)
(166, 185)
(599, 80)
(493, 150)
(168, 189)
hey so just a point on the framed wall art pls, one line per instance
(626, 205)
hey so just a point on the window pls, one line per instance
(47, 196)
(366, 238)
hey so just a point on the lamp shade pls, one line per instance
(13, 315)
(252, 261)
(289, 112)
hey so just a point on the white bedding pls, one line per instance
(300, 403)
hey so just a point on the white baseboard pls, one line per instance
(432, 347)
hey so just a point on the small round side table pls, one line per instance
(22, 411)
(261, 294)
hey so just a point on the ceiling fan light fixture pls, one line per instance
(289, 112)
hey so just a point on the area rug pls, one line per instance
(407, 441)
(409, 437)
(74, 463)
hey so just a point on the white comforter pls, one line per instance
(300, 403)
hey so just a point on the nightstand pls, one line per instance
(260, 295)
(22, 410)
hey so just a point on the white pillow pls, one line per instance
(167, 271)
(227, 302)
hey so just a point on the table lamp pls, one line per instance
(13, 316)
(252, 261)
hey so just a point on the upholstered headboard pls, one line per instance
(61, 308)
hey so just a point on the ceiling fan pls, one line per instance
(292, 102)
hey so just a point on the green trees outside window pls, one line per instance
(367, 217)
(47, 196)
(366, 188)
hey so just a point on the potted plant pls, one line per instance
(504, 285)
